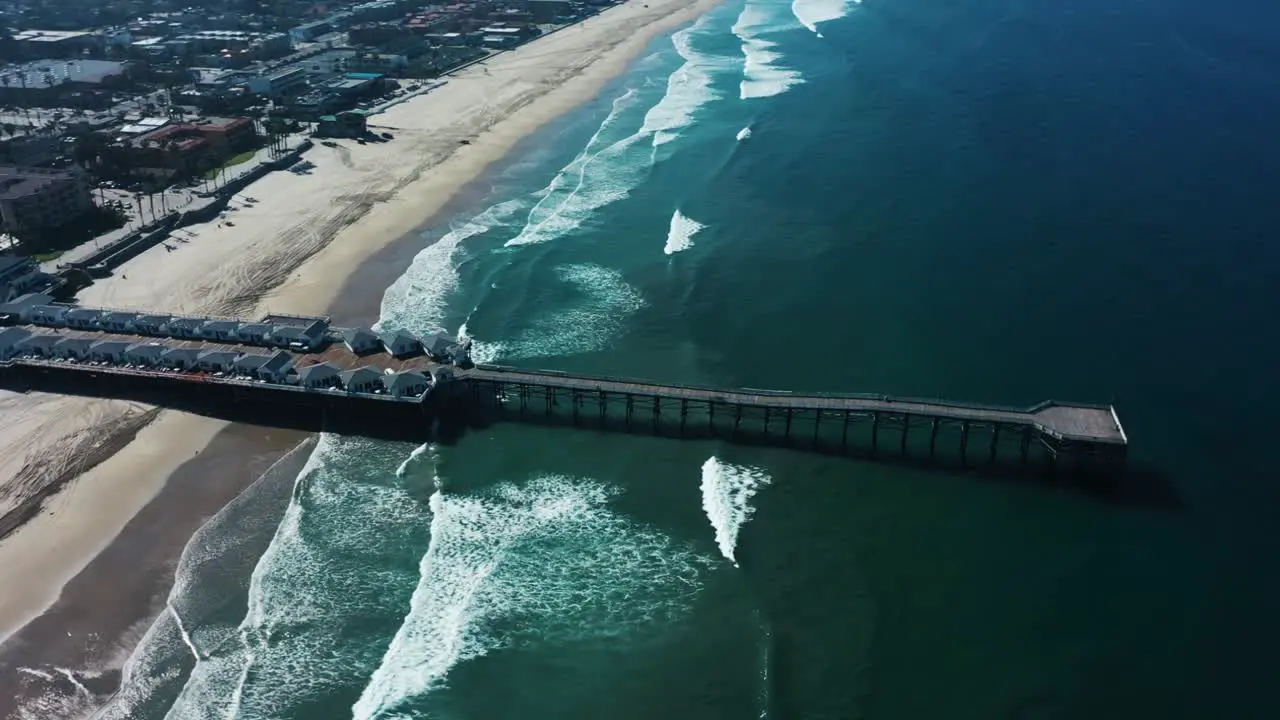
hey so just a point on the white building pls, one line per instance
(83, 318)
(185, 327)
(38, 345)
(76, 348)
(151, 324)
(217, 360)
(108, 351)
(400, 343)
(360, 340)
(276, 369)
(9, 339)
(180, 358)
(118, 320)
(408, 383)
(144, 353)
(319, 375)
(256, 333)
(219, 329)
(49, 315)
(20, 308)
(362, 379)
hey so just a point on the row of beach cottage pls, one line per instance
(278, 336)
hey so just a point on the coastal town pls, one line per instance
(118, 119)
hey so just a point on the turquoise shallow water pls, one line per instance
(1006, 202)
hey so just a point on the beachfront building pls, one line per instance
(320, 375)
(10, 338)
(38, 345)
(400, 343)
(112, 351)
(219, 329)
(441, 375)
(151, 324)
(118, 320)
(300, 337)
(83, 318)
(19, 309)
(41, 199)
(185, 327)
(362, 379)
(217, 360)
(361, 341)
(19, 276)
(146, 354)
(49, 315)
(72, 348)
(249, 364)
(180, 358)
(443, 347)
(408, 383)
(256, 333)
(276, 368)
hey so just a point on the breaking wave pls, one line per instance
(680, 235)
(744, 133)
(726, 499)
(605, 301)
(544, 562)
(763, 73)
(812, 12)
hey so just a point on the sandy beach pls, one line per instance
(85, 468)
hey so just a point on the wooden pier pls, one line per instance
(1049, 434)
(1082, 434)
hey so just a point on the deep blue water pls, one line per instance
(998, 200)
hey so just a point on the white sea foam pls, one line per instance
(605, 301)
(812, 12)
(680, 235)
(409, 462)
(744, 133)
(726, 498)
(416, 300)
(325, 565)
(688, 89)
(763, 73)
(549, 552)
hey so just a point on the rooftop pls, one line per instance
(16, 182)
(41, 74)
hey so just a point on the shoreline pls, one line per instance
(370, 248)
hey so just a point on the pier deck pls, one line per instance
(1064, 421)
(1086, 433)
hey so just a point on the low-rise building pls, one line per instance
(20, 309)
(276, 369)
(219, 329)
(10, 338)
(112, 351)
(180, 358)
(118, 320)
(49, 315)
(400, 343)
(40, 199)
(72, 348)
(320, 375)
(19, 276)
(144, 353)
(83, 318)
(362, 379)
(217, 360)
(38, 345)
(408, 383)
(360, 340)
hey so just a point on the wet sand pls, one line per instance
(105, 609)
(103, 612)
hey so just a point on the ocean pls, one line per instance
(1003, 201)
